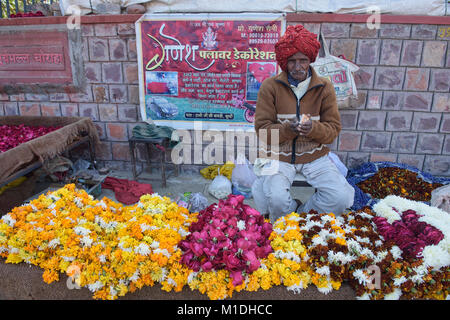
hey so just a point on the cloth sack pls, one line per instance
(339, 72)
(368, 169)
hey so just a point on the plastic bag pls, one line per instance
(220, 187)
(243, 175)
(341, 167)
(340, 73)
(183, 199)
(440, 197)
(197, 202)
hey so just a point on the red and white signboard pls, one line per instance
(198, 67)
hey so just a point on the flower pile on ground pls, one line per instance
(108, 248)
(286, 265)
(229, 235)
(324, 239)
(228, 247)
(400, 219)
(372, 257)
(11, 135)
(400, 182)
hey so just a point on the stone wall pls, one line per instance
(403, 84)
(402, 115)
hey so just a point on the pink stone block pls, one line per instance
(349, 141)
(417, 79)
(434, 53)
(112, 72)
(429, 143)
(391, 157)
(403, 142)
(103, 151)
(426, 122)
(107, 112)
(98, 49)
(69, 109)
(102, 30)
(118, 49)
(117, 131)
(89, 110)
(50, 109)
(29, 109)
(441, 102)
(118, 93)
(411, 54)
(121, 151)
(368, 52)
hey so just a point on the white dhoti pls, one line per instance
(271, 190)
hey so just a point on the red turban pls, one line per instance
(295, 39)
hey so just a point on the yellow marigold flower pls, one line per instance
(14, 258)
(341, 241)
(335, 284)
(50, 275)
(292, 234)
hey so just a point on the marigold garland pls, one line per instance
(324, 238)
(399, 277)
(400, 182)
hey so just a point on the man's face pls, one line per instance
(298, 66)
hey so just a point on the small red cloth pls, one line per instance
(126, 191)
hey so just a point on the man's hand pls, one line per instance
(294, 125)
(304, 127)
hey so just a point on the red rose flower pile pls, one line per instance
(12, 136)
(410, 234)
(230, 235)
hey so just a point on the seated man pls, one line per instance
(298, 110)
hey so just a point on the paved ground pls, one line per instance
(25, 282)
(189, 182)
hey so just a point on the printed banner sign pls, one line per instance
(205, 68)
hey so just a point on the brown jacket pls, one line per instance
(277, 103)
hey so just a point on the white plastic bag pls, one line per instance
(340, 73)
(440, 198)
(337, 161)
(197, 202)
(220, 187)
(242, 175)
